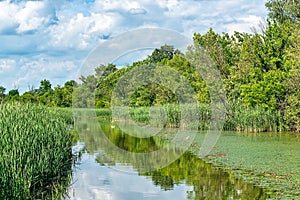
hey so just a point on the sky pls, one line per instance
(50, 39)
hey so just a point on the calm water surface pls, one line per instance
(100, 174)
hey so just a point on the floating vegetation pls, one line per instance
(268, 160)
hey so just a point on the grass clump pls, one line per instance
(35, 154)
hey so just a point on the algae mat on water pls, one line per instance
(268, 160)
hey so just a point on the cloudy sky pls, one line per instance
(50, 39)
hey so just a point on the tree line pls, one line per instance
(260, 71)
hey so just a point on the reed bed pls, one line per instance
(257, 119)
(36, 156)
(169, 115)
(238, 118)
(104, 114)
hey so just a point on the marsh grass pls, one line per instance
(36, 156)
(239, 118)
(257, 119)
(104, 114)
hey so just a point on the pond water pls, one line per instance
(102, 173)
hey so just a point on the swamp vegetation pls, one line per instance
(260, 72)
(36, 156)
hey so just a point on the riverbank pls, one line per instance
(237, 118)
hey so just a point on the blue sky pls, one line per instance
(50, 39)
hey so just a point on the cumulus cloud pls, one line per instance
(36, 70)
(31, 16)
(243, 24)
(58, 30)
(8, 22)
(79, 25)
(25, 16)
(116, 5)
(7, 65)
(22, 72)
(80, 32)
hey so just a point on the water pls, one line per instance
(94, 181)
(104, 174)
(268, 160)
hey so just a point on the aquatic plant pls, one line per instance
(35, 155)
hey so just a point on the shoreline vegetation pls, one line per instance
(260, 73)
(169, 116)
(242, 120)
(46, 139)
(36, 155)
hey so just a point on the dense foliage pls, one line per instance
(36, 156)
(260, 73)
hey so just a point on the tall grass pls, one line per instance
(168, 115)
(35, 154)
(238, 118)
(254, 119)
(104, 114)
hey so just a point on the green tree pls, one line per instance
(106, 86)
(267, 92)
(29, 96)
(63, 96)
(282, 10)
(222, 49)
(103, 71)
(291, 105)
(2, 93)
(164, 52)
(84, 94)
(45, 86)
(256, 78)
(13, 95)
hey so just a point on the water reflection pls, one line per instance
(208, 182)
(102, 175)
(94, 181)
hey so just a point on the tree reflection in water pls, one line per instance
(208, 182)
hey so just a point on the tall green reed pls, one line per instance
(238, 118)
(35, 154)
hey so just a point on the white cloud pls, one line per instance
(7, 15)
(8, 69)
(137, 11)
(75, 25)
(30, 71)
(24, 16)
(116, 5)
(7, 65)
(64, 30)
(30, 17)
(243, 24)
(81, 32)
